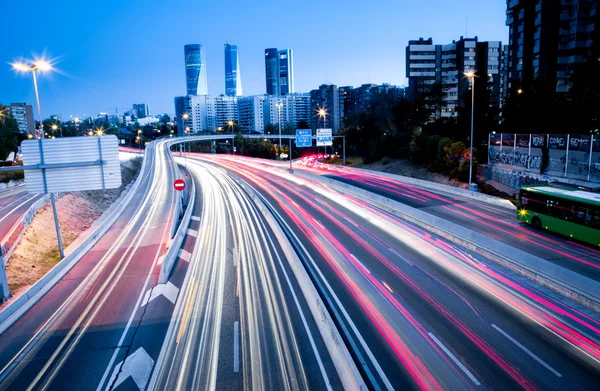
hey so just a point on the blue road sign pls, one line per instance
(324, 137)
(303, 137)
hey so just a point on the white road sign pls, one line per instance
(324, 137)
(71, 164)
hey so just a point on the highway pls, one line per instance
(414, 310)
(89, 322)
(421, 312)
(14, 203)
(493, 221)
(243, 322)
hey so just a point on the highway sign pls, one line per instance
(303, 138)
(71, 164)
(179, 184)
(324, 137)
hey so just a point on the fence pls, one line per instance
(571, 156)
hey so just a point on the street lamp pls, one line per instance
(41, 66)
(279, 106)
(54, 127)
(323, 114)
(139, 139)
(230, 124)
(471, 75)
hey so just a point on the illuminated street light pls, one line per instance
(230, 123)
(30, 136)
(279, 106)
(38, 65)
(471, 75)
(321, 112)
(519, 91)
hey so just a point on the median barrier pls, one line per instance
(444, 188)
(173, 251)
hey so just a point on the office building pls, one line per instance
(141, 110)
(205, 112)
(295, 108)
(279, 71)
(195, 70)
(23, 114)
(429, 65)
(286, 71)
(233, 78)
(250, 113)
(272, 71)
(325, 97)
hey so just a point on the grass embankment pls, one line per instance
(37, 252)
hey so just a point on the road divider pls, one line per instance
(173, 251)
(73, 254)
(572, 285)
(434, 186)
(345, 366)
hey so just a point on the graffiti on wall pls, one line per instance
(568, 155)
(512, 157)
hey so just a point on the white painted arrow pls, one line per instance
(139, 366)
(168, 290)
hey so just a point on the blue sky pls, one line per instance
(112, 53)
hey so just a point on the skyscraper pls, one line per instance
(279, 71)
(141, 110)
(233, 78)
(286, 72)
(272, 71)
(195, 70)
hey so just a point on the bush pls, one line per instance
(386, 160)
(444, 147)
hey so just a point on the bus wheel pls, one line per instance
(536, 222)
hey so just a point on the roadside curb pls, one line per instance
(574, 286)
(76, 251)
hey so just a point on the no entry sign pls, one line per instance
(179, 184)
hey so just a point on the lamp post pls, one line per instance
(279, 106)
(230, 124)
(42, 66)
(323, 114)
(471, 75)
(139, 139)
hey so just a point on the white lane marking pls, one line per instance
(529, 352)
(236, 346)
(184, 255)
(400, 256)
(453, 358)
(138, 366)
(192, 232)
(356, 259)
(195, 218)
(168, 290)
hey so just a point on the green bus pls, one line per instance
(573, 213)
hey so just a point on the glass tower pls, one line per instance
(286, 72)
(272, 71)
(233, 77)
(195, 70)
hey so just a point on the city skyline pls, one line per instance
(154, 73)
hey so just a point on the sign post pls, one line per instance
(303, 140)
(324, 139)
(70, 164)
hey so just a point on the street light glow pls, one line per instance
(230, 123)
(54, 126)
(470, 74)
(322, 112)
(185, 116)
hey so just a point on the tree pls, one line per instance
(8, 136)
